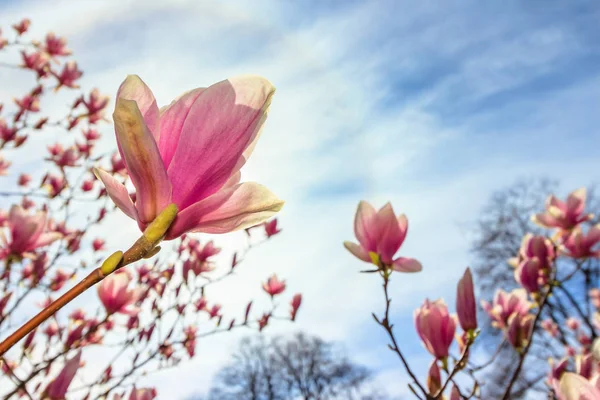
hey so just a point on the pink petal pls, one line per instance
(403, 264)
(365, 226)
(576, 201)
(117, 192)
(238, 207)
(220, 125)
(172, 118)
(133, 88)
(576, 387)
(358, 251)
(25, 228)
(389, 233)
(144, 164)
(46, 238)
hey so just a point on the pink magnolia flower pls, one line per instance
(535, 248)
(142, 394)
(56, 46)
(68, 75)
(57, 389)
(22, 26)
(519, 329)
(576, 387)
(529, 275)
(556, 371)
(380, 234)
(24, 179)
(466, 309)
(98, 244)
(274, 286)
(455, 393)
(505, 304)
(115, 294)
(436, 327)
(580, 245)
(27, 232)
(434, 378)
(190, 153)
(296, 302)
(564, 215)
(271, 228)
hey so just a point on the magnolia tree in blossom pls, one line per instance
(173, 171)
(538, 272)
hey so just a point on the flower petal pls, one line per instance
(117, 192)
(221, 124)
(403, 264)
(389, 233)
(172, 118)
(133, 88)
(365, 226)
(358, 251)
(238, 207)
(144, 164)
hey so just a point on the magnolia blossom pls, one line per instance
(380, 234)
(57, 389)
(576, 387)
(274, 286)
(466, 309)
(142, 394)
(435, 327)
(190, 153)
(519, 329)
(564, 215)
(505, 304)
(295, 303)
(115, 294)
(27, 232)
(271, 228)
(434, 378)
(582, 245)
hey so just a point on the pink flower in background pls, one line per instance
(22, 26)
(4, 166)
(24, 179)
(27, 232)
(56, 46)
(535, 248)
(296, 302)
(580, 245)
(190, 154)
(68, 75)
(505, 304)
(380, 234)
(519, 329)
(466, 309)
(271, 228)
(98, 244)
(564, 215)
(576, 387)
(142, 394)
(436, 327)
(274, 286)
(57, 389)
(434, 378)
(529, 275)
(115, 295)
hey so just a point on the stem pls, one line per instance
(389, 329)
(523, 354)
(94, 277)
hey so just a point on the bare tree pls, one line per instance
(283, 368)
(497, 237)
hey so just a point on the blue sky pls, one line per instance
(431, 105)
